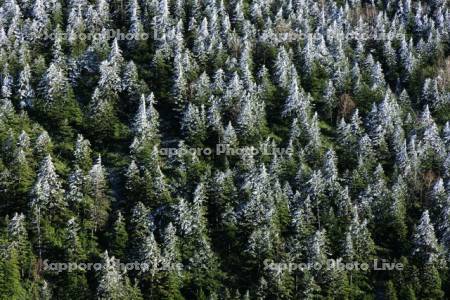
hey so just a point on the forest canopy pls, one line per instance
(210, 149)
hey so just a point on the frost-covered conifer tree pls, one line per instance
(46, 197)
(425, 244)
(113, 284)
(47, 191)
(194, 124)
(82, 153)
(26, 92)
(102, 108)
(58, 101)
(97, 190)
(43, 145)
(75, 192)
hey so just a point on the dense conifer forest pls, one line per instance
(224, 149)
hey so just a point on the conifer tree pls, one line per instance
(102, 108)
(18, 238)
(57, 96)
(97, 190)
(194, 124)
(26, 92)
(43, 146)
(10, 279)
(119, 237)
(425, 245)
(75, 282)
(82, 153)
(21, 177)
(47, 191)
(113, 284)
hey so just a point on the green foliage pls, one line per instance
(10, 280)
(357, 158)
